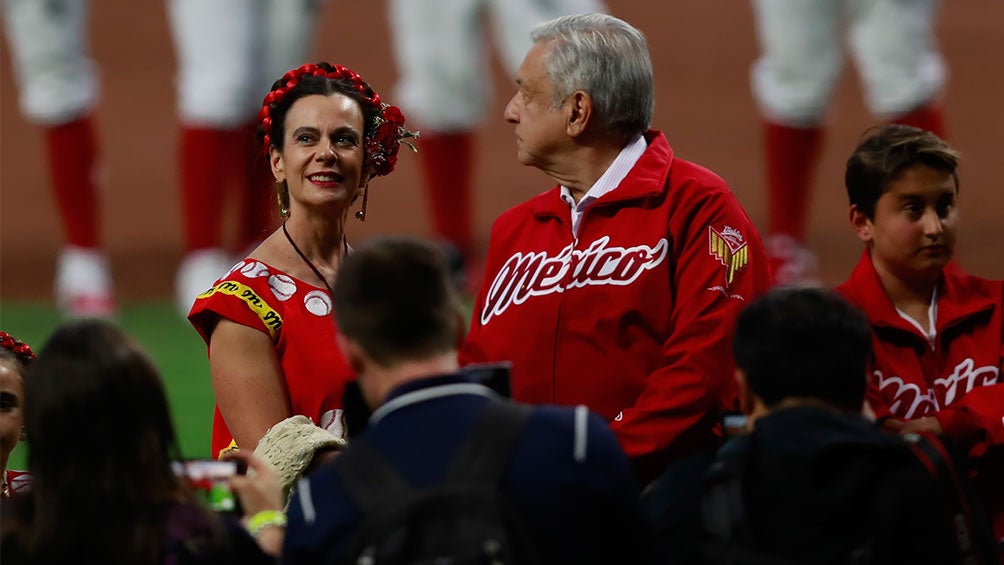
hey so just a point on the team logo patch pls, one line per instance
(731, 250)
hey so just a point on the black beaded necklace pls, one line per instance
(310, 264)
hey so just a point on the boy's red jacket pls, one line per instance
(632, 318)
(958, 380)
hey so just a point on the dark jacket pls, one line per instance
(817, 486)
(579, 505)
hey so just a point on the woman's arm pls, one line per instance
(247, 380)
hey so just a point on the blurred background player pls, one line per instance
(58, 90)
(229, 52)
(439, 46)
(902, 72)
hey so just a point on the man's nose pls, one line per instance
(510, 114)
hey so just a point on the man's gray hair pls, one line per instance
(607, 58)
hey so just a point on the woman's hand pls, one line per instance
(258, 490)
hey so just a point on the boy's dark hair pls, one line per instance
(884, 153)
(804, 342)
(394, 297)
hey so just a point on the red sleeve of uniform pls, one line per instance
(679, 408)
(977, 417)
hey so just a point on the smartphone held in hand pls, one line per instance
(209, 480)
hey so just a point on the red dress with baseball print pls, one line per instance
(957, 379)
(298, 317)
(633, 317)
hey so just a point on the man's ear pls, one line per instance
(861, 223)
(580, 112)
(353, 354)
(277, 163)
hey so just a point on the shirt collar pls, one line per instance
(420, 390)
(610, 178)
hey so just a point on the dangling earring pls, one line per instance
(282, 198)
(24, 434)
(361, 212)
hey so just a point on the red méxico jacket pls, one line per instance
(958, 381)
(633, 318)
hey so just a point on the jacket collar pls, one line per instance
(956, 301)
(429, 388)
(647, 178)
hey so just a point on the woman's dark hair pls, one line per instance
(292, 87)
(100, 450)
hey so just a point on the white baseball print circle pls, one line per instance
(282, 287)
(254, 269)
(317, 303)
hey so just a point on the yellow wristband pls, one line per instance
(265, 519)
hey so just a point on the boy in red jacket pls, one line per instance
(937, 332)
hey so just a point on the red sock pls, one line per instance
(73, 153)
(205, 166)
(792, 154)
(928, 117)
(259, 214)
(446, 162)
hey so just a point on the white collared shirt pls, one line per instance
(932, 319)
(608, 181)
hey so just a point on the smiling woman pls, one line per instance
(268, 322)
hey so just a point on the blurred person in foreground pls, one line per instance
(268, 322)
(813, 480)
(565, 477)
(937, 332)
(622, 280)
(100, 453)
(16, 357)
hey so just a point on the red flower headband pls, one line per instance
(383, 140)
(24, 353)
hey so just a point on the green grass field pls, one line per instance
(176, 350)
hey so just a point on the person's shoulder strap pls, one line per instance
(938, 462)
(722, 506)
(483, 455)
(368, 477)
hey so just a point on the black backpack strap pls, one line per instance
(483, 455)
(369, 479)
(938, 462)
(722, 508)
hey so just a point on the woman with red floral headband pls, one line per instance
(15, 358)
(268, 323)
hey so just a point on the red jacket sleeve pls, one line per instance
(977, 419)
(713, 277)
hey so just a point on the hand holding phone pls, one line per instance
(209, 479)
(259, 489)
